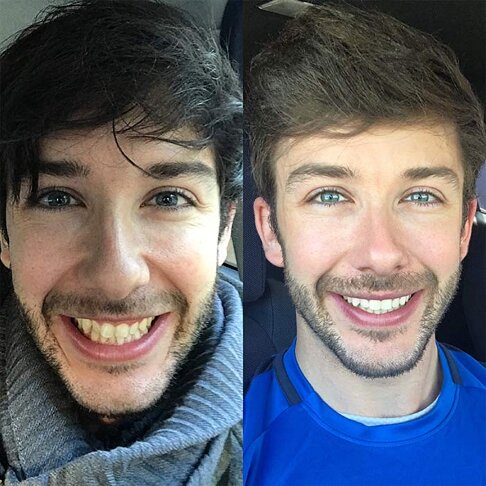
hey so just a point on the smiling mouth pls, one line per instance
(119, 334)
(375, 306)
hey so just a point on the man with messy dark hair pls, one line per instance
(120, 167)
(366, 144)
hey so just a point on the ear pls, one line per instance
(226, 235)
(271, 245)
(467, 230)
(4, 251)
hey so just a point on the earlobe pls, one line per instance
(270, 243)
(4, 252)
(467, 229)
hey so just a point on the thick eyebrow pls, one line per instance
(169, 170)
(442, 172)
(162, 170)
(313, 169)
(63, 168)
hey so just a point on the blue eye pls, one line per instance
(56, 199)
(170, 200)
(422, 198)
(329, 197)
(167, 199)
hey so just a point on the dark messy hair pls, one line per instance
(138, 65)
(339, 67)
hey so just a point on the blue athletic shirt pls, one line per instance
(292, 437)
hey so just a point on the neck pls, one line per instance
(346, 392)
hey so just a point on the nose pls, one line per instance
(379, 246)
(115, 265)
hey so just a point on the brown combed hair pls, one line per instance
(340, 66)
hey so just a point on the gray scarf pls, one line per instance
(199, 444)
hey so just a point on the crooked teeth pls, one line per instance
(378, 306)
(106, 333)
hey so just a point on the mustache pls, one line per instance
(146, 304)
(408, 282)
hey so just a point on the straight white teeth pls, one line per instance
(378, 306)
(106, 333)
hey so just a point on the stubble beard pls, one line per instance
(186, 335)
(309, 303)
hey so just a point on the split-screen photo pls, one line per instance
(243, 242)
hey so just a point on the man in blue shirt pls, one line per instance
(366, 144)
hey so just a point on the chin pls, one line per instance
(122, 391)
(379, 355)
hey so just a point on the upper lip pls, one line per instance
(116, 320)
(390, 295)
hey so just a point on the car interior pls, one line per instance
(269, 315)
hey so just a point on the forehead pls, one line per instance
(380, 151)
(100, 151)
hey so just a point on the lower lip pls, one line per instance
(361, 318)
(115, 353)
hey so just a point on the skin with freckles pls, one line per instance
(372, 216)
(107, 241)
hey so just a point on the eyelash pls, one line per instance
(334, 190)
(189, 201)
(437, 199)
(313, 198)
(35, 200)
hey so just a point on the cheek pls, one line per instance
(435, 245)
(319, 245)
(183, 255)
(38, 259)
(312, 249)
(187, 257)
